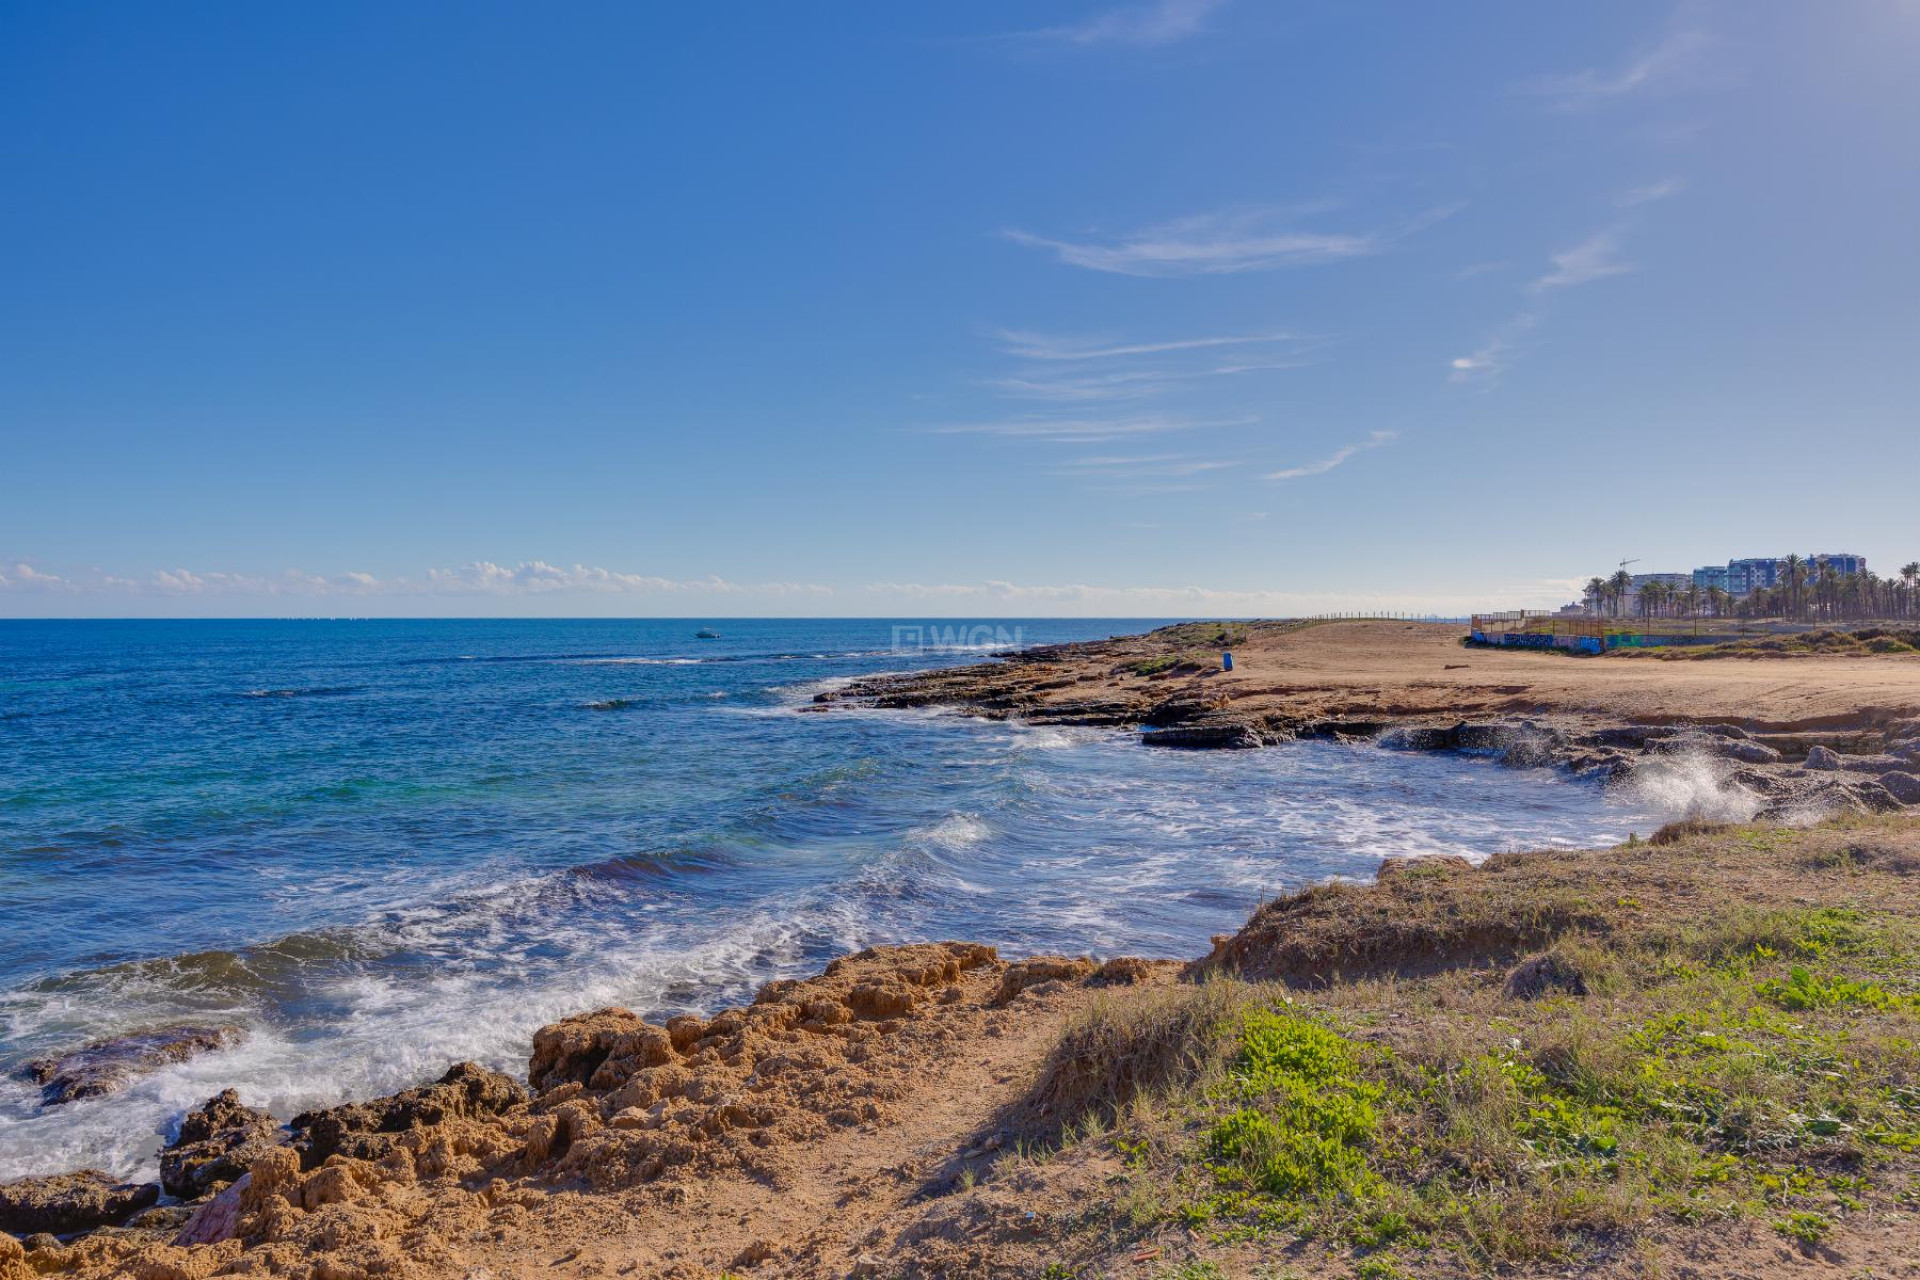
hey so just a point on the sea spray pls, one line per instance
(1690, 784)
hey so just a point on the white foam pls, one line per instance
(1691, 784)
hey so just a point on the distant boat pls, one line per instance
(706, 633)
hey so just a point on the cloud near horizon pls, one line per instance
(479, 577)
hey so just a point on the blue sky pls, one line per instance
(1183, 308)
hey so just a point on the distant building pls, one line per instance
(1713, 577)
(1841, 562)
(1741, 578)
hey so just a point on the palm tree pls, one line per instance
(1692, 596)
(1622, 584)
(1596, 592)
(1910, 574)
(1793, 576)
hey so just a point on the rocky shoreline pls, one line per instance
(1849, 764)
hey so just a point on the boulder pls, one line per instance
(109, 1065)
(1823, 758)
(218, 1219)
(68, 1202)
(1904, 787)
(365, 1130)
(1749, 752)
(1544, 975)
(216, 1144)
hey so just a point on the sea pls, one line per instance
(383, 847)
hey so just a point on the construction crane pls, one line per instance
(1625, 563)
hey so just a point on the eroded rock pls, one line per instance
(217, 1142)
(365, 1130)
(109, 1065)
(70, 1202)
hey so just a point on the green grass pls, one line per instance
(1759, 1062)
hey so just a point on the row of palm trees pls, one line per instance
(1808, 591)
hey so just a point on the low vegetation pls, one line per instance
(1866, 642)
(1715, 1026)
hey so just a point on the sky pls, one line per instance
(1182, 308)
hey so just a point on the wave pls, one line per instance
(312, 691)
(612, 704)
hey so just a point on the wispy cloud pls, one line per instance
(1084, 430)
(1592, 259)
(1647, 194)
(1373, 441)
(1142, 466)
(1492, 357)
(1676, 62)
(1224, 243)
(1138, 26)
(1042, 346)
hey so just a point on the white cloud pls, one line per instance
(1592, 259)
(1041, 346)
(1141, 26)
(1648, 194)
(1083, 430)
(1208, 244)
(1492, 357)
(26, 577)
(1676, 62)
(537, 577)
(1373, 441)
(480, 577)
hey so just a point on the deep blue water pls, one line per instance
(385, 846)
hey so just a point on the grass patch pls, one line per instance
(1758, 1062)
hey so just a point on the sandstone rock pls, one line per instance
(1038, 969)
(1123, 971)
(1823, 758)
(1875, 764)
(217, 1142)
(599, 1050)
(1904, 787)
(109, 1065)
(363, 1130)
(68, 1202)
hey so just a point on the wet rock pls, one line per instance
(70, 1202)
(109, 1065)
(365, 1130)
(1825, 759)
(1875, 764)
(1208, 737)
(1545, 975)
(1904, 787)
(217, 1142)
(1748, 752)
(167, 1218)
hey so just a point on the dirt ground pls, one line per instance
(1365, 670)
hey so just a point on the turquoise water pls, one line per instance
(386, 846)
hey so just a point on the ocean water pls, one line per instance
(387, 846)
